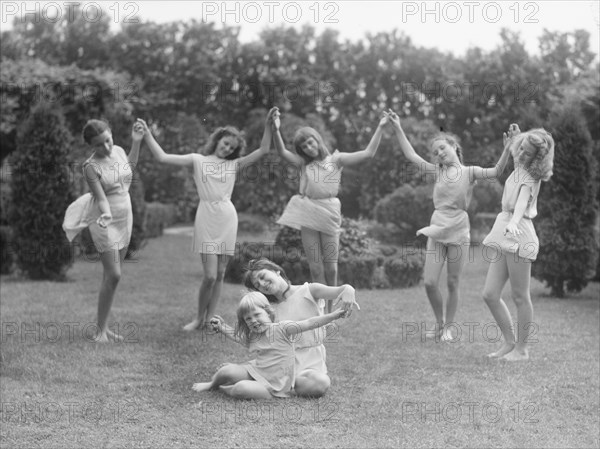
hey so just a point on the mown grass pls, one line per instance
(390, 387)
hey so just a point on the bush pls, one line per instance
(405, 271)
(41, 192)
(407, 207)
(6, 250)
(358, 271)
(567, 208)
(158, 217)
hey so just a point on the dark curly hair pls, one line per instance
(225, 131)
(256, 265)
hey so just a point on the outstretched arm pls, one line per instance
(405, 145)
(357, 157)
(344, 294)
(265, 143)
(314, 322)
(159, 154)
(494, 172)
(218, 325)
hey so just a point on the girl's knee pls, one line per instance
(453, 282)
(113, 277)
(521, 298)
(312, 385)
(490, 297)
(431, 284)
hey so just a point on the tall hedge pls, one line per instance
(41, 191)
(568, 208)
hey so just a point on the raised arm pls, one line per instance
(137, 134)
(265, 143)
(494, 172)
(345, 159)
(159, 154)
(218, 325)
(284, 153)
(344, 294)
(314, 322)
(513, 225)
(406, 147)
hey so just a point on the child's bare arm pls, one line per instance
(217, 324)
(314, 322)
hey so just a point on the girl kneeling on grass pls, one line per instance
(272, 373)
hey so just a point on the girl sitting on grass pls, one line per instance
(272, 372)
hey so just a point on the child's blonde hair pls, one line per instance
(249, 302)
(303, 134)
(534, 151)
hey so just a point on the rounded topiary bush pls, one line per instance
(41, 192)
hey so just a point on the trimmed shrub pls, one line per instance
(567, 208)
(41, 192)
(407, 207)
(405, 271)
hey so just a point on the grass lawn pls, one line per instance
(390, 387)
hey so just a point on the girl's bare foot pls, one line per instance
(516, 356)
(202, 386)
(194, 325)
(505, 349)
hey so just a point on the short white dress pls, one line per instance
(115, 174)
(316, 206)
(301, 305)
(526, 245)
(215, 227)
(451, 197)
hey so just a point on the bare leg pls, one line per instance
(111, 263)
(330, 250)
(434, 262)
(223, 260)
(520, 277)
(228, 374)
(455, 263)
(311, 383)
(494, 283)
(209, 266)
(311, 241)
(247, 389)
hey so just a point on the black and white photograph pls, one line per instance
(320, 224)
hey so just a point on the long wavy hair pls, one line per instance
(303, 134)
(533, 150)
(225, 131)
(249, 302)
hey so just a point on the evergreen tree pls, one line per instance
(41, 192)
(567, 207)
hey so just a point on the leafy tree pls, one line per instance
(41, 192)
